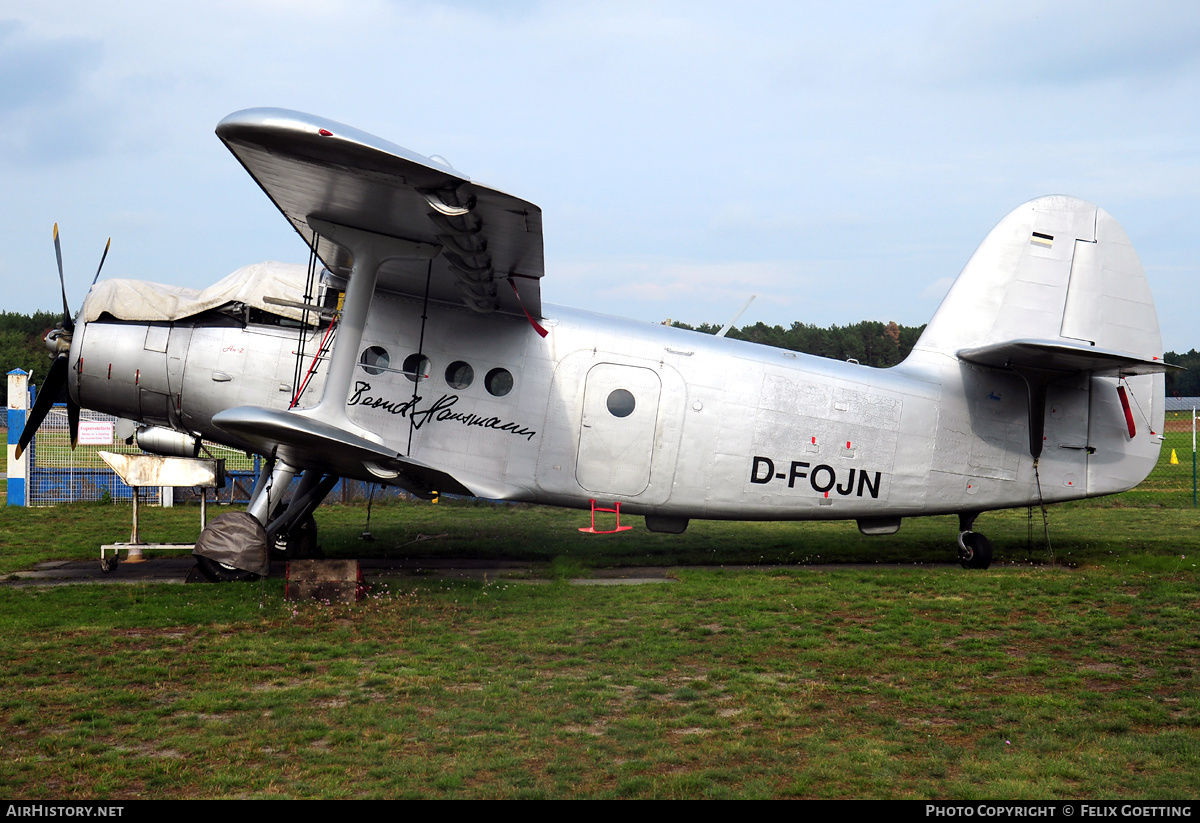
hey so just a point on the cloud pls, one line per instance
(1029, 42)
(35, 70)
(937, 289)
(49, 115)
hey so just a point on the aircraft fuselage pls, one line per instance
(671, 423)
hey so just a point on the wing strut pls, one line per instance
(370, 251)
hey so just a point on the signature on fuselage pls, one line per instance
(441, 410)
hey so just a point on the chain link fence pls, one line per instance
(1172, 481)
(59, 474)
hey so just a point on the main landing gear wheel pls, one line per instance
(974, 550)
(232, 547)
(217, 572)
(299, 542)
(109, 564)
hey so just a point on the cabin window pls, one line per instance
(459, 375)
(620, 403)
(498, 382)
(417, 367)
(374, 360)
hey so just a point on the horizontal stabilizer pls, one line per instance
(1057, 355)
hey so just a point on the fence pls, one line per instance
(59, 474)
(1172, 481)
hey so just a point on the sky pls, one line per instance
(841, 161)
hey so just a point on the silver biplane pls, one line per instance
(421, 355)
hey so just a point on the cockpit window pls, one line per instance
(258, 317)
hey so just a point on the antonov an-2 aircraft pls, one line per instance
(422, 356)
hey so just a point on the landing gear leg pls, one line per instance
(269, 494)
(292, 533)
(974, 550)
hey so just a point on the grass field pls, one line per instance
(1066, 677)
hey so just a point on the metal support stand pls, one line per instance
(144, 470)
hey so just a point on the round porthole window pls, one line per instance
(417, 367)
(459, 375)
(374, 360)
(620, 403)
(498, 382)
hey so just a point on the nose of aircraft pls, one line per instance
(121, 367)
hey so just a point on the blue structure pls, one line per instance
(18, 408)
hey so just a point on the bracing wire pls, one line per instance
(1045, 519)
(366, 535)
(298, 371)
(412, 418)
(1129, 388)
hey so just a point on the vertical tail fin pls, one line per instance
(1055, 269)
(1056, 292)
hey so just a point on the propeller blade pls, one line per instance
(68, 324)
(103, 257)
(73, 420)
(56, 378)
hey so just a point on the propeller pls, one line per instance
(58, 341)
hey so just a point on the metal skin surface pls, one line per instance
(1009, 397)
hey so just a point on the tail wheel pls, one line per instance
(974, 550)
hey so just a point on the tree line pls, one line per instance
(870, 342)
(1187, 383)
(21, 345)
(885, 344)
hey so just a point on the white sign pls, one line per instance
(95, 433)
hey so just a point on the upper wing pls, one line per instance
(314, 167)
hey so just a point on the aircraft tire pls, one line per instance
(220, 573)
(299, 542)
(109, 564)
(975, 550)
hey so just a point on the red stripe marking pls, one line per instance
(1128, 411)
(536, 326)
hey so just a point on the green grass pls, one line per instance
(1070, 679)
(542, 536)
